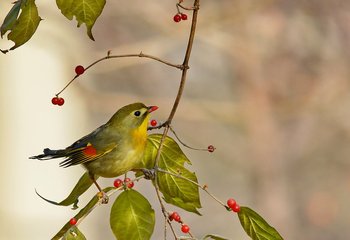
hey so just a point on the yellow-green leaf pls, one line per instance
(256, 227)
(85, 11)
(26, 24)
(177, 191)
(132, 217)
(82, 185)
(74, 234)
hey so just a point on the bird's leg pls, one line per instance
(149, 173)
(101, 194)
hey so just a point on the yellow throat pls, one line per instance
(140, 134)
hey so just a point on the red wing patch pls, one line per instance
(89, 151)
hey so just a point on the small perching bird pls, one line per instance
(112, 149)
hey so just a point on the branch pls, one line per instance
(185, 68)
(141, 55)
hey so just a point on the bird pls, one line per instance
(112, 149)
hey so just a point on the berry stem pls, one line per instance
(69, 83)
(158, 126)
(187, 8)
(184, 144)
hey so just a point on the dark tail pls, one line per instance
(50, 154)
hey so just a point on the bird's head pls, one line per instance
(132, 116)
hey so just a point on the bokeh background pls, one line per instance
(268, 86)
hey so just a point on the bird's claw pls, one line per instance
(150, 174)
(103, 197)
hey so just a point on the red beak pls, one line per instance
(152, 108)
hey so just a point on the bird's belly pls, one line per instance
(113, 165)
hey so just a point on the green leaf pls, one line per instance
(83, 184)
(26, 24)
(256, 227)
(214, 237)
(81, 213)
(85, 11)
(177, 191)
(10, 18)
(74, 234)
(132, 217)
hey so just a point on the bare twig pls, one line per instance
(109, 56)
(186, 8)
(158, 126)
(184, 144)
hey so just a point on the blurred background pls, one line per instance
(268, 86)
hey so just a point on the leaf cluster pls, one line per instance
(132, 216)
(23, 19)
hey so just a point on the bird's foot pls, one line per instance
(103, 197)
(150, 174)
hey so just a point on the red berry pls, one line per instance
(185, 228)
(60, 101)
(117, 183)
(177, 18)
(183, 16)
(236, 208)
(79, 70)
(153, 122)
(72, 221)
(211, 148)
(128, 182)
(54, 100)
(175, 216)
(231, 203)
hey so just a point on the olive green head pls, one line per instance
(131, 116)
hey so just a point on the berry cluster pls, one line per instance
(127, 181)
(79, 70)
(233, 205)
(176, 217)
(180, 16)
(57, 101)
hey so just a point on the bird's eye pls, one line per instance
(137, 113)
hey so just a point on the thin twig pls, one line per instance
(185, 68)
(184, 144)
(141, 55)
(185, 8)
(158, 126)
(185, 62)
